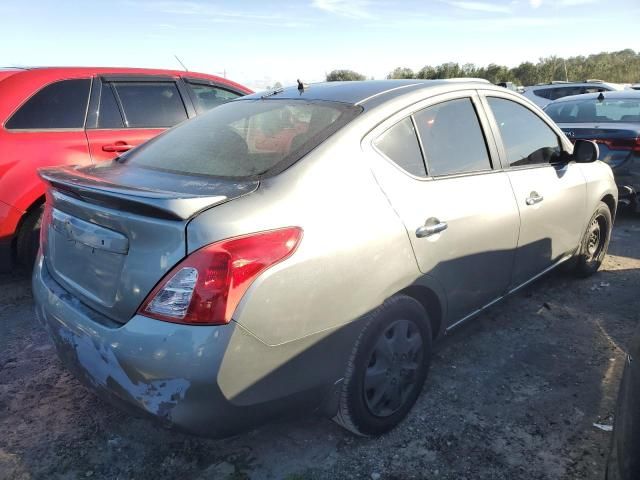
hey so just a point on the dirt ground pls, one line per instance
(513, 394)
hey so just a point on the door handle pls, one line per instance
(432, 227)
(534, 198)
(117, 147)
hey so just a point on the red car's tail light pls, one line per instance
(206, 287)
(632, 144)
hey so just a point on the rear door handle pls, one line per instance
(533, 198)
(117, 147)
(431, 227)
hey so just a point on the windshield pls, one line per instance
(595, 111)
(245, 138)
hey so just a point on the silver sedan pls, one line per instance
(303, 248)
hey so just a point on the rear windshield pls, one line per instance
(594, 111)
(245, 138)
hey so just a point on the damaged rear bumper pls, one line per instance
(167, 370)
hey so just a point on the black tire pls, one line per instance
(595, 242)
(28, 239)
(371, 404)
(623, 462)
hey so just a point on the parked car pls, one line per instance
(545, 93)
(214, 285)
(623, 462)
(66, 116)
(612, 119)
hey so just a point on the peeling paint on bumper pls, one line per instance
(166, 370)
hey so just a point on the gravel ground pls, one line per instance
(513, 394)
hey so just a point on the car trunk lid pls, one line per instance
(617, 141)
(111, 232)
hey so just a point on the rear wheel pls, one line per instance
(28, 239)
(595, 242)
(387, 369)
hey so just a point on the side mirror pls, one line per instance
(585, 151)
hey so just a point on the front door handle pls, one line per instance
(533, 198)
(117, 147)
(431, 227)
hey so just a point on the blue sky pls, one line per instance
(260, 42)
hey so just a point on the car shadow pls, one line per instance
(514, 390)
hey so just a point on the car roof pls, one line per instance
(562, 83)
(359, 92)
(53, 73)
(619, 94)
(7, 72)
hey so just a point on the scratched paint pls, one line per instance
(103, 369)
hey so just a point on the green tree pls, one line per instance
(402, 72)
(621, 67)
(341, 75)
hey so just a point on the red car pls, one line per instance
(69, 116)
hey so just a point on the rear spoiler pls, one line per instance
(170, 205)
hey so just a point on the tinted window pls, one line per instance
(558, 92)
(108, 111)
(208, 96)
(58, 105)
(247, 138)
(527, 139)
(594, 111)
(400, 144)
(543, 92)
(151, 104)
(452, 138)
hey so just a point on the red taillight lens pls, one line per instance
(631, 144)
(206, 287)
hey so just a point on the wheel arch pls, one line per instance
(431, 302)
(611, 203)
(37, 203)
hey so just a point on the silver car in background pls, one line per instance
(544, 93)
(302, 249)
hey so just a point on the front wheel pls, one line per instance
(595, 242)
(387, 368)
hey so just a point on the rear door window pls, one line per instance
(210, 96)
(151, 104)
(527, 139)
(400, 144)
(452, 138)
(108, 112)
(60, 105)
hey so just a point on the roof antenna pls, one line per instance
(180, 61)
(601, 97)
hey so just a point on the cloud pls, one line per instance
(573, 3)
(346, 8)
(535, 3)
(491, 24)
(480, 6)
(212, 13)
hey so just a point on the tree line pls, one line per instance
(618, 67)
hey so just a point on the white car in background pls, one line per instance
(545, 93)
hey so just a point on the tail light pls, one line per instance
(206, 287)
(631, 144)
